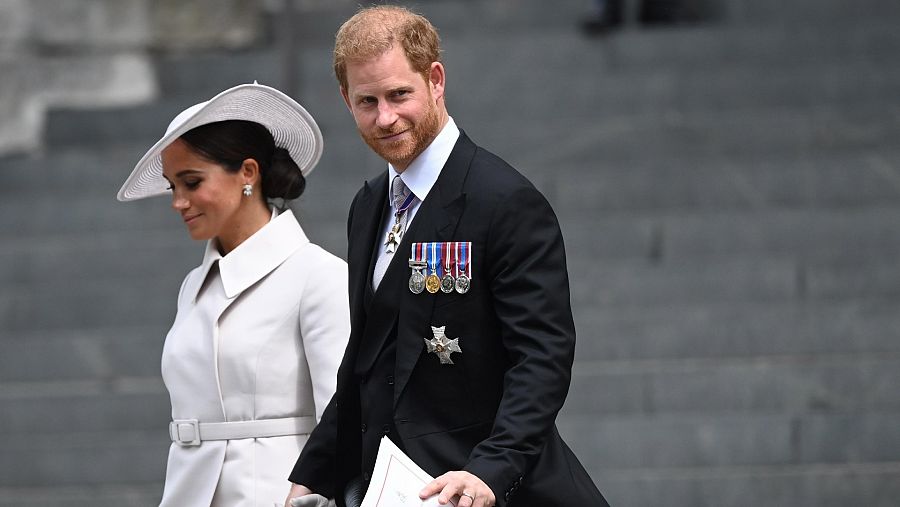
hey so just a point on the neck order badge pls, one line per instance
(400, 205)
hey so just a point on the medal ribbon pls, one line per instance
(435, 260)
(405, 206)
(418, 252)
(445, 252)
(464, 248)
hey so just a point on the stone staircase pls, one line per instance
(730, 197)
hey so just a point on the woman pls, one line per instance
(262, 323)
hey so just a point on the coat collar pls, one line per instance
(256, 257)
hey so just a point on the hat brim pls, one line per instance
(292, 127)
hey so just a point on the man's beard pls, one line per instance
(402, 152)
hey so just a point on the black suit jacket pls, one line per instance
(493, 411)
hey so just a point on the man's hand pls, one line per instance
(471, 491)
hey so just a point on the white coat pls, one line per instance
(259, 334)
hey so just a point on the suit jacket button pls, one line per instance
(390, 380)
(364, 427)
(385, 429)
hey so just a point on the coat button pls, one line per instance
(390, 380)
(363, 427)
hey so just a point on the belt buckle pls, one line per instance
(185, 432)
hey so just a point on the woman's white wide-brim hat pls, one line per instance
(292, 127)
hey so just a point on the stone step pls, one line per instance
(837, 234)
(817, 485)
(722, 329)
(586, 184)
(660, 140)
(737, 281)
(637, 283)
(118, 457)
(739, 439)
(85, 407)
(98, 354)
(833, 12)
(116, 495)
(119, 302)
(680, 71)
(850, 384)
(101, 255)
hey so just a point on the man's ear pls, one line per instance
(436, 79)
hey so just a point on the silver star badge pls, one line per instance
(441, 345)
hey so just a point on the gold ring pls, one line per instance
(468, 495)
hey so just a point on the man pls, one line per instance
(467, 376)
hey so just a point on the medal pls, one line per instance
(447, 280)
(442, 346)
(463, 267)
(432, 282)
(417, 277)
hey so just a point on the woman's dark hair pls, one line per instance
(230, 142)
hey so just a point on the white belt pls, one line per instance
(190, 432)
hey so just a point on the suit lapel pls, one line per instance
(361, 243)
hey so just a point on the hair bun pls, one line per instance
(283, 179)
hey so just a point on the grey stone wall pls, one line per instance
(95, 53)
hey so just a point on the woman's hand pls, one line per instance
(297, 490)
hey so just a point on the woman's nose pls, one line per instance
(178, 202)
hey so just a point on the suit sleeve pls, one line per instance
(316, 465)
(526, 267)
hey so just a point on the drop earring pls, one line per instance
(248, 190)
